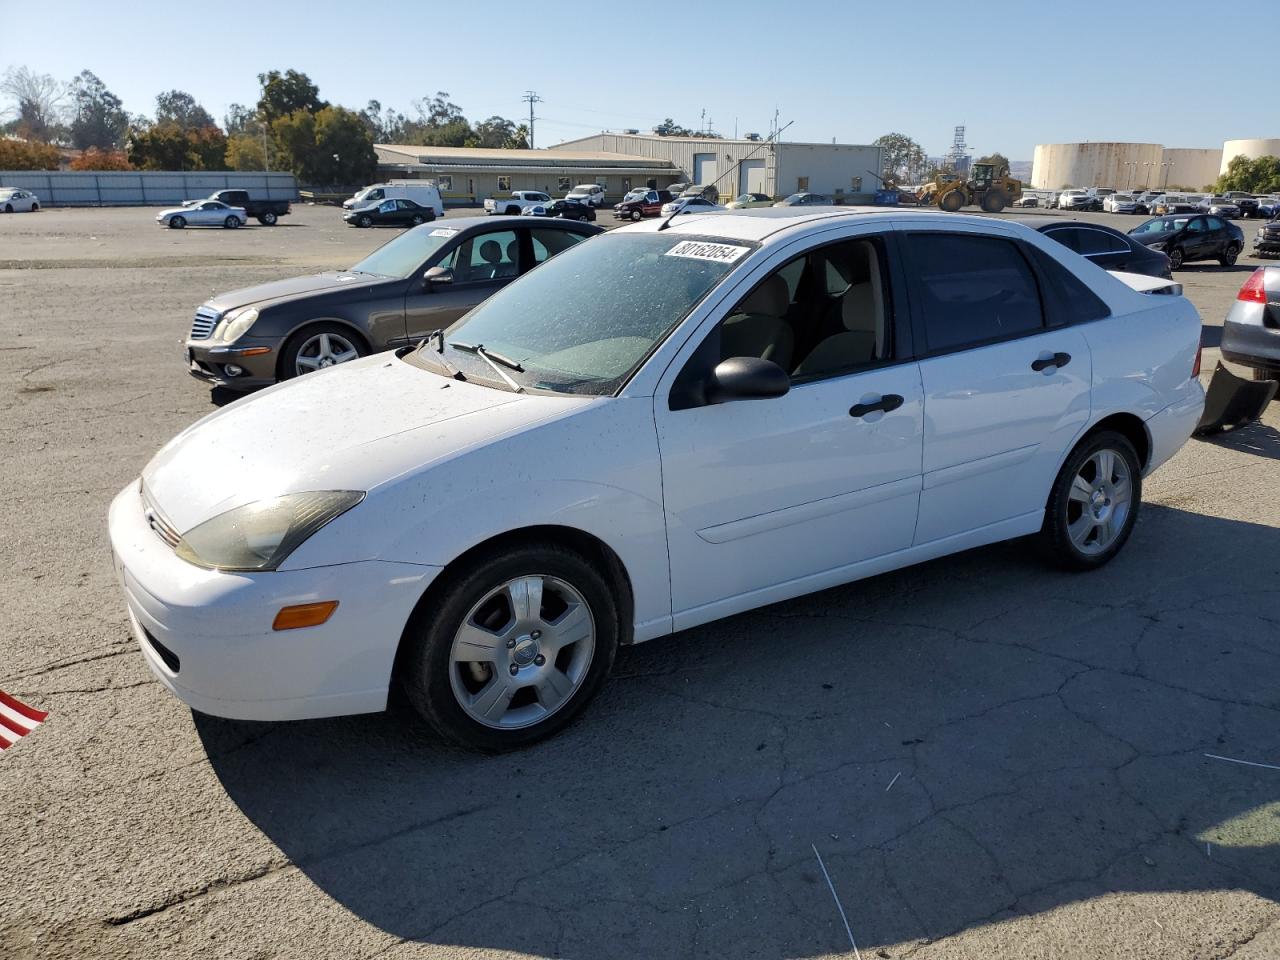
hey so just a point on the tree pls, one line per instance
(99, 119)
(1261, 175)
(180, 108)
(902, 159)
(999, 159)
(519, 139)
(239, 119)
(244, 152)
(669, 128)
(166, 146)
(286, 93)
(27, 155)
(494, 132)
(37, 99)
(329, 147)
(98, 159)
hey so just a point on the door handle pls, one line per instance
(890, 401)
(1057, 360)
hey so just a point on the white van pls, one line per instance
(425, 193)
(591, 194)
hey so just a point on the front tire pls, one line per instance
(1093, 504)
(365, 221)
(518, 642)
(1228, 259)
(951, 202)
(177, 223)
(636, 215)
(1175, 259)
(318, 346)
(994, 201)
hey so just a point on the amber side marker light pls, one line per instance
(252, 351)
(304, 615)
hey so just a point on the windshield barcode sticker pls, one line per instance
(698, 250)
(442, 232)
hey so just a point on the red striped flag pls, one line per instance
(16, 720)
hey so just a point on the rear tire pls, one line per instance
(417, 219)
(449, 690)
(1094, 503)
(231, 223)
(8, 208)
(1229, 258)
(513, 211)
(268, 219)
(994, 201)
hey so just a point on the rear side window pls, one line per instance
(1095, 242)
(1067, 298)
(973, 290)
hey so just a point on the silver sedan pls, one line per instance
(202, 213)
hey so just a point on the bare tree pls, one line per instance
(37, 100)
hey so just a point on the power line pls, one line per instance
(531, 97)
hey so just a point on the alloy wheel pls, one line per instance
(324, 350)
(522, 652)
(1099, 502)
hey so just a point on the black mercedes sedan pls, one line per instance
(565, 209)
(1108, 248)
(419, 282)
(395, 213)
(1184, 237)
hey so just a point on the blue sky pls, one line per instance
(842, 70)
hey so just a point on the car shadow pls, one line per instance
(1257, 438)
(972, 740)
(1212, 266)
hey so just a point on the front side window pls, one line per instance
(823, 313)
(973, 290)
(583, 321)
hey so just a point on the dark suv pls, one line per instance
(1185, 237)
(648, 205)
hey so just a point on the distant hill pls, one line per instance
(1020, 170)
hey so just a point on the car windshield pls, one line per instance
(1162, 225)
(795, 197)
(406, 253)
(1120, 197)
(584, 320)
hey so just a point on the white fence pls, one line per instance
(108, 189)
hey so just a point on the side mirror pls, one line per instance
(747, 378)
(437, 276)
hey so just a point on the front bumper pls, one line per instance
(217, 626)
(208, 360)
(1267, 244)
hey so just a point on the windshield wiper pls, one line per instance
(438, 336)
(493, 360)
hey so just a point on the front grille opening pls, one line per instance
(168, 656)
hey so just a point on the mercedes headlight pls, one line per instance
(260, 535)
(235, 325)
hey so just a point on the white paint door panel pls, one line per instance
(996, 430)
(760, 492)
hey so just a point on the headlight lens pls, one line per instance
(235, 325)
(260, 535)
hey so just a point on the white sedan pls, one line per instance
(202, 213)
(699, 431)
(690, 205)
(17, 200)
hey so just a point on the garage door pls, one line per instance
(751, 177)
(704, 168)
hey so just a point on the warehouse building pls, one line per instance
(468, 175)
(845, 172)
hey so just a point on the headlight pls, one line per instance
(259, 536)
(235, 325)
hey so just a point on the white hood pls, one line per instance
(351, 427)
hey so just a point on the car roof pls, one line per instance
(472, 223)
(1044, 223)
(761, 223)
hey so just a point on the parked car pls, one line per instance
(706, 191)
(1251, 332)
(804, 200)
(745, 201)
(484, 521)
(17, 200)
(675, 189)
(419, 282)
(1247, 202)
(1269, 207)
(591, 194)
(1026, 200)
(1079, 200)
(1192, 237)
(1119, 203)
(1050, 200)
(1219, 206)
(1107, 247)
(1174, 203)
(515, 204)
(202, 213)
(390, 213)
(1266, 242)
(568, 209)
(425, 193)
(689, 205)
(1143, 202)
(266, 212)
(648, 204)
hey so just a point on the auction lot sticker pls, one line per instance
(700, 250)
(16, 720)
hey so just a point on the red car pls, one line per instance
(648, 205)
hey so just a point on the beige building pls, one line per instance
(1135, 166)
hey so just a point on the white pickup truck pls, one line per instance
(515, 204)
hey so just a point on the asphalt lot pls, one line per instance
(993, 759)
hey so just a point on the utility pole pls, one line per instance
(531, 97)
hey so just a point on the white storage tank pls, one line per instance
(1253, 149)
(1123, 166)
